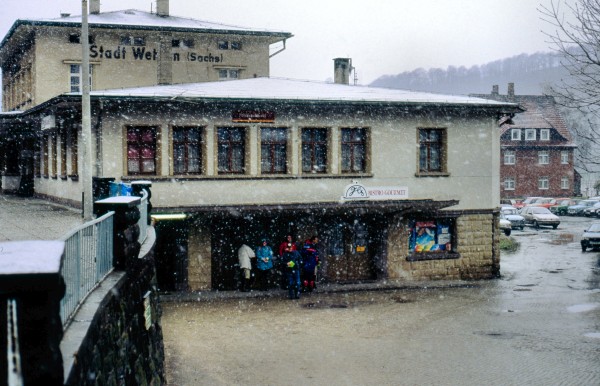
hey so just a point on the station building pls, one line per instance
(397, 184)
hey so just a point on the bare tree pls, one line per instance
(576, 38)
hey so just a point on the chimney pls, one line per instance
(162, 8)
(341, 70)
(495, 90)
(94, 7)
(511, 90)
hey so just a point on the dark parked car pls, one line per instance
(561, 208)
(577, 210)
(591, 237)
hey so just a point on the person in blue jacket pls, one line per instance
(264, 264)
(292, 262)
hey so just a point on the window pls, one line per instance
(314, 151)
(564, 157)
(543, 157)
(141, 150)
(564, 183)
(509, 183)
(225, 45)
(231, 150)
(74, 151)
(431, 236)
(133, 41)
(54, 155)
(509, 157)
(76, 39)
(354, 150)
(228, 73)
(545, 135)
(432, 150)
(543, 183)
(515, 134)
(273, 150)
(187, 150)
(63, 153)
(75, 77)
(46, 154)
(530, 135)
(182, 43)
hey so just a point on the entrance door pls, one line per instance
(349, 252)
(172, 255)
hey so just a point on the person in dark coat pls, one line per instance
(310, 260)
(293, 264)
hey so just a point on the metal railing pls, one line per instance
(143, 221)
(88, 258)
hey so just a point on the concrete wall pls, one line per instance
(199, 255)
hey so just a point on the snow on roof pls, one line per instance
(297, 90)
(136, 18)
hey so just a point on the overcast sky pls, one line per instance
(383, 37)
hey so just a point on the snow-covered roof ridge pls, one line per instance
(138, 18)
(266, 88)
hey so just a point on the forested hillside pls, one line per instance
(530, 73)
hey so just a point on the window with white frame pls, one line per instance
(544, 183)
(543, 157)
(509, 183)
(564, 183)
(564, 157)
(509, 157)
(545, 135)
(229, 73)
(515, 134)
(530, 135)
(75, 77)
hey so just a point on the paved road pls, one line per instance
(34, 219)
(537, 325)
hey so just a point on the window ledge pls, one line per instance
(74, 177)
(245, 177)
(432, 174)
(432, 256)
(63, 177)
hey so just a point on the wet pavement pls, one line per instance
(539, 324)
(34, 219)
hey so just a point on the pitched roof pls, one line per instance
(280, 89)
(541, 112)
(135, 19)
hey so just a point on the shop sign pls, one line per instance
(249, 116)
(356, 191)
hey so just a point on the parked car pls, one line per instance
(512, 214)
(577, 210)
(562, 206)
(510, 202)
(538, 216)
(505, 225)
(592, 211)
(591, 237)
(545, 202)
(530, 200)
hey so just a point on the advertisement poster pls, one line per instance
(427, 236)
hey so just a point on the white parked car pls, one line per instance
(505, 225)
(538, 216)
(512, 214)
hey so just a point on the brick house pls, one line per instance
(537, 149)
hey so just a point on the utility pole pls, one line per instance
(86, 121)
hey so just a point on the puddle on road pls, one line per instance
(583, 307)
(592, 335)
(561, 238)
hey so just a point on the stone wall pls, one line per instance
(124, 345)
(199, 253)
(477, 246)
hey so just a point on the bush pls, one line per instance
(508, 244)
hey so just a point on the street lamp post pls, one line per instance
(86, 125)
